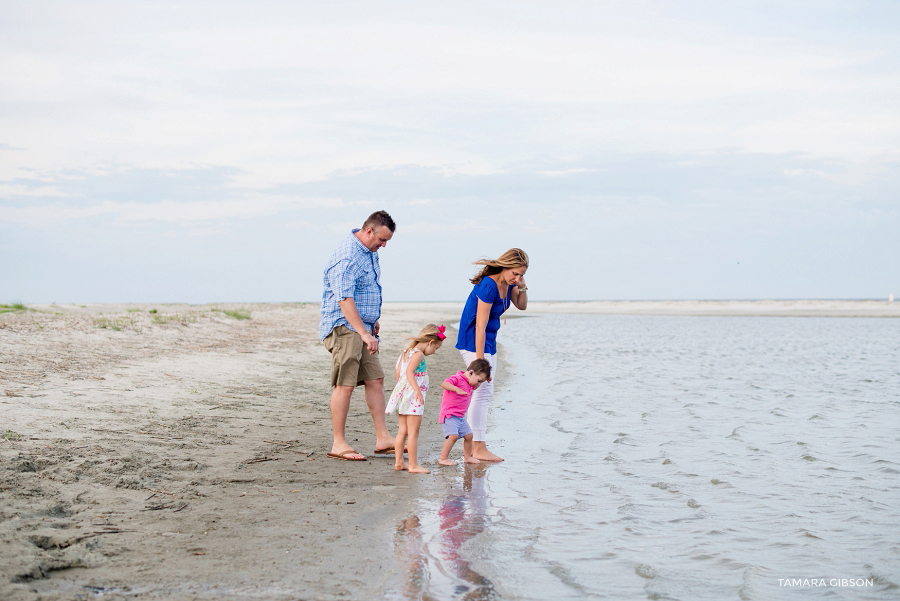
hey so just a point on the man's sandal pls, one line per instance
(344, 457)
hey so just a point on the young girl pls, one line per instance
(408, 397)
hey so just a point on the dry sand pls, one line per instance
(181, 455)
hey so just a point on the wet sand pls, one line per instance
(181, 455)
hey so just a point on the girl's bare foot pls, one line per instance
(446, 462)
(472, 460)
(400, 466)
(418, 470)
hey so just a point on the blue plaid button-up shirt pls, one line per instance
(351, 272)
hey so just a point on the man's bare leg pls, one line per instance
(340, 406)
(375, 401)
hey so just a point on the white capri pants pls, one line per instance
(481, 398)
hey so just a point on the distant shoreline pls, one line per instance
(730, 308)
(711, 308)
(700, 308)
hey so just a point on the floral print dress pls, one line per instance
(403, 399)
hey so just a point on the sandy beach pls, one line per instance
(178, 452)
(181, 454)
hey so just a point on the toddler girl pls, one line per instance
(408, 397)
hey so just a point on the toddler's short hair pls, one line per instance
(481, 366)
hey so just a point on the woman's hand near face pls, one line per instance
(518, 295)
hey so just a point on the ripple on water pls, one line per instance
(781, 429)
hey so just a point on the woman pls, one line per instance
(500, 283)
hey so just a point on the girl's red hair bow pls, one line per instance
(441, 334)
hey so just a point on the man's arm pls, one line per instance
(348, 308)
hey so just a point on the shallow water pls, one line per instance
(675, 458)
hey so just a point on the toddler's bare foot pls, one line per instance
(400, 466)
(418, 469)
(472, 460)
(446, 462)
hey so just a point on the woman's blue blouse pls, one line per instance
(485, 290)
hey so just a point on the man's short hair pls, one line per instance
(378, 219)
(481, 366)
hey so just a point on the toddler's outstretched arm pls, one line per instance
(448, 386)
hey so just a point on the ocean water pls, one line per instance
(685, 458)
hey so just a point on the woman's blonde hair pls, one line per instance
(514, 257)
(430, 333)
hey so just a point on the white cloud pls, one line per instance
(50, 214)
(8, 190)
(135, 120)
(562, 172)
(167, 211)
(283, 92)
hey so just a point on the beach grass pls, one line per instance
(162, 318)
(237, 313)
(14, 308)
(111, 323)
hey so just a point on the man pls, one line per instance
(351, 307)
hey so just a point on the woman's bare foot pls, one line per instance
(471, 460)
(401, 466)
(446, 462)
(418, 469)
(488, 456)
(479, 451)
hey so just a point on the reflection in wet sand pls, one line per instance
(431, 544)
(410, 551)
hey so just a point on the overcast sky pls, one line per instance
(219, 151)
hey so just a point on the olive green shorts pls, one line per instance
(351, 362)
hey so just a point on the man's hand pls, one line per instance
(370, 341)
(376, 328)
(348, 308)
